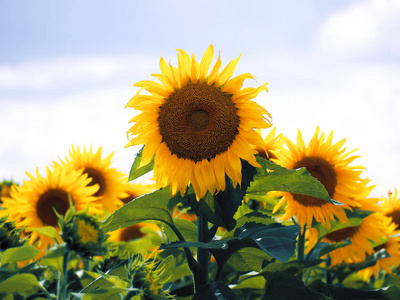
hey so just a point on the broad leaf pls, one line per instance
(19, 283)
(281, 285)
(276, 240)
(154, 206)
(22, 253)
(273, 177)
(49, 231)
(137, 171)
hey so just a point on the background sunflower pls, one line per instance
(111, 182)
(33, 203)
(330, 164)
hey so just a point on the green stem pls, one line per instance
(203, 257)
(63, 278)
(300, 248)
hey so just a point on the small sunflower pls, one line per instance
(197, 126)
(373, 229)
(391, 207)
(271, 144)
(111, 182)
(331, 166)
(33, 203)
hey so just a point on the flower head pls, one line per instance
(197, 125)
(329, 164)
(35, 202)
(111, 182)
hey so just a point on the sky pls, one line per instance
(67, 70)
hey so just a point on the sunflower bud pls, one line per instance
(9, 235)
(82, 233)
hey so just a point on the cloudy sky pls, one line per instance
(67, 69)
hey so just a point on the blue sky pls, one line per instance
(67, 69)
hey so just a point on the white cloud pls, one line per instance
(361, 27)
(67, 70)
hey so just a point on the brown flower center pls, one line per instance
(53, 199)
(131, 233)
(198, 122)
(324, 172)
(97, 178)
(395, 215)
(342, 234)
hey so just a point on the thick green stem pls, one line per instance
(300, 248)
(63, 278)
(203, 256)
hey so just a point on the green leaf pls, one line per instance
(273, 177)
(330, 247)
(19, 283)
(154, 206)
(248, 259)
(137, 171)
(292, 267)
(54, 258)
(341, 292)
(186, 228)
(281, 285)
(215, 290)
(172, 271)
(22, 253)
(276, 240)
(49, 231)
(253, 282)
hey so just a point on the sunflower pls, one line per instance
(37, 199)
(373, 229)
(111, 182)
(391, 207)
(331, 166)
(197, 125)
(392, 247)
(271, 144)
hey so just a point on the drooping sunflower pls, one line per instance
(331, 166)
(373, 229)
(272, 142)
(111, 182)
(391, 207)
(197, 125)
(32, 204)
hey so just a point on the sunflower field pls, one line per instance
(234, 209)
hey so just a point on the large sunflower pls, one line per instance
(33, 203)
(197, 125)
(110, 180)
(331, 166)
